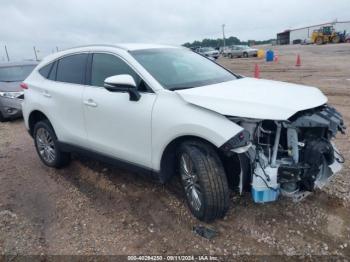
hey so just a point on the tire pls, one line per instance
(336, 39)
(319, 40)
(245, 54)
(204, 180)
(2, 118)
(46, 145)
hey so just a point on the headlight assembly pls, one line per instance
(11, 95)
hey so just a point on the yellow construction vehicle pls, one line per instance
(324, 35)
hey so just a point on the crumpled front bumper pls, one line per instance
(327, 172)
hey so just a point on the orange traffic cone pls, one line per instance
(257, 71)
(298, 61)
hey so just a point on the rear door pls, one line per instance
(115, 125)
(236, 51)
(62, 98)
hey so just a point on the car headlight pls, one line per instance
(11, 95)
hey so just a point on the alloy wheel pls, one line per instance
(190, 181)
(46, 146)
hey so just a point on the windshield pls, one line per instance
(15, 73)
(177, 68)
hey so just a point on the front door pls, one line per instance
(115, 125)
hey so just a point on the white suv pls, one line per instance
(169, 111)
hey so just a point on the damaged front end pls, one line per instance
(291, 157)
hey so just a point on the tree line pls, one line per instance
(232, 40)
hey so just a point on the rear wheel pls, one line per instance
(204, 180)
(47, 147)
(319, 40)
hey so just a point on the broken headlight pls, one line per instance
(242, 139)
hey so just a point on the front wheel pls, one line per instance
(204, 180)
(47, 147)
(336, 39)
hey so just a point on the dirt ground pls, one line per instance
(92, 208)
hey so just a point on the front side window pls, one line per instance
(177, 68)
(106, 65)
(71, 69)
(15, 73)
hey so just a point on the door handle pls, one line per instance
(90, 102)
(46, 94)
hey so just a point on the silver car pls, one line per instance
(208, 52)
(241, 51)
(11, 95)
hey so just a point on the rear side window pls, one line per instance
(71, 69)
(52, 75)
(105, 65)
(44, 71)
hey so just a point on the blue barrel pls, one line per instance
(269, 56)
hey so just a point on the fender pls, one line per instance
(185, 119)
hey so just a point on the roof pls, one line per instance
(19, 63)
(125, 46)
(318, 25)
(107, 47)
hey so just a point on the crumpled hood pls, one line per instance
(255, 98)
(10, 86)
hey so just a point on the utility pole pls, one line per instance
(7, 54)
(36, 56)
(223, 34)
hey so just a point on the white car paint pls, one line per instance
(121, 79)
(255, 98)
(61, 103)
(172, 117)
(139, 131)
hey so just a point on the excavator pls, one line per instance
(327, 34)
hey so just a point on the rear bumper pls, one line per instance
(10, 108)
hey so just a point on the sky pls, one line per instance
(47, 24)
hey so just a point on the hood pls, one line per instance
(10, 86)
(255, 98)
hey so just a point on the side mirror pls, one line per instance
(123, 83)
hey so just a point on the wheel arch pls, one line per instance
(168, 158)
(34, 117)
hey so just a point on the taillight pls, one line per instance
(24, 86)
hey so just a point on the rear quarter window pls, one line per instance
(44, 71)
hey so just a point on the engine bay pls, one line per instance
(292, 157)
